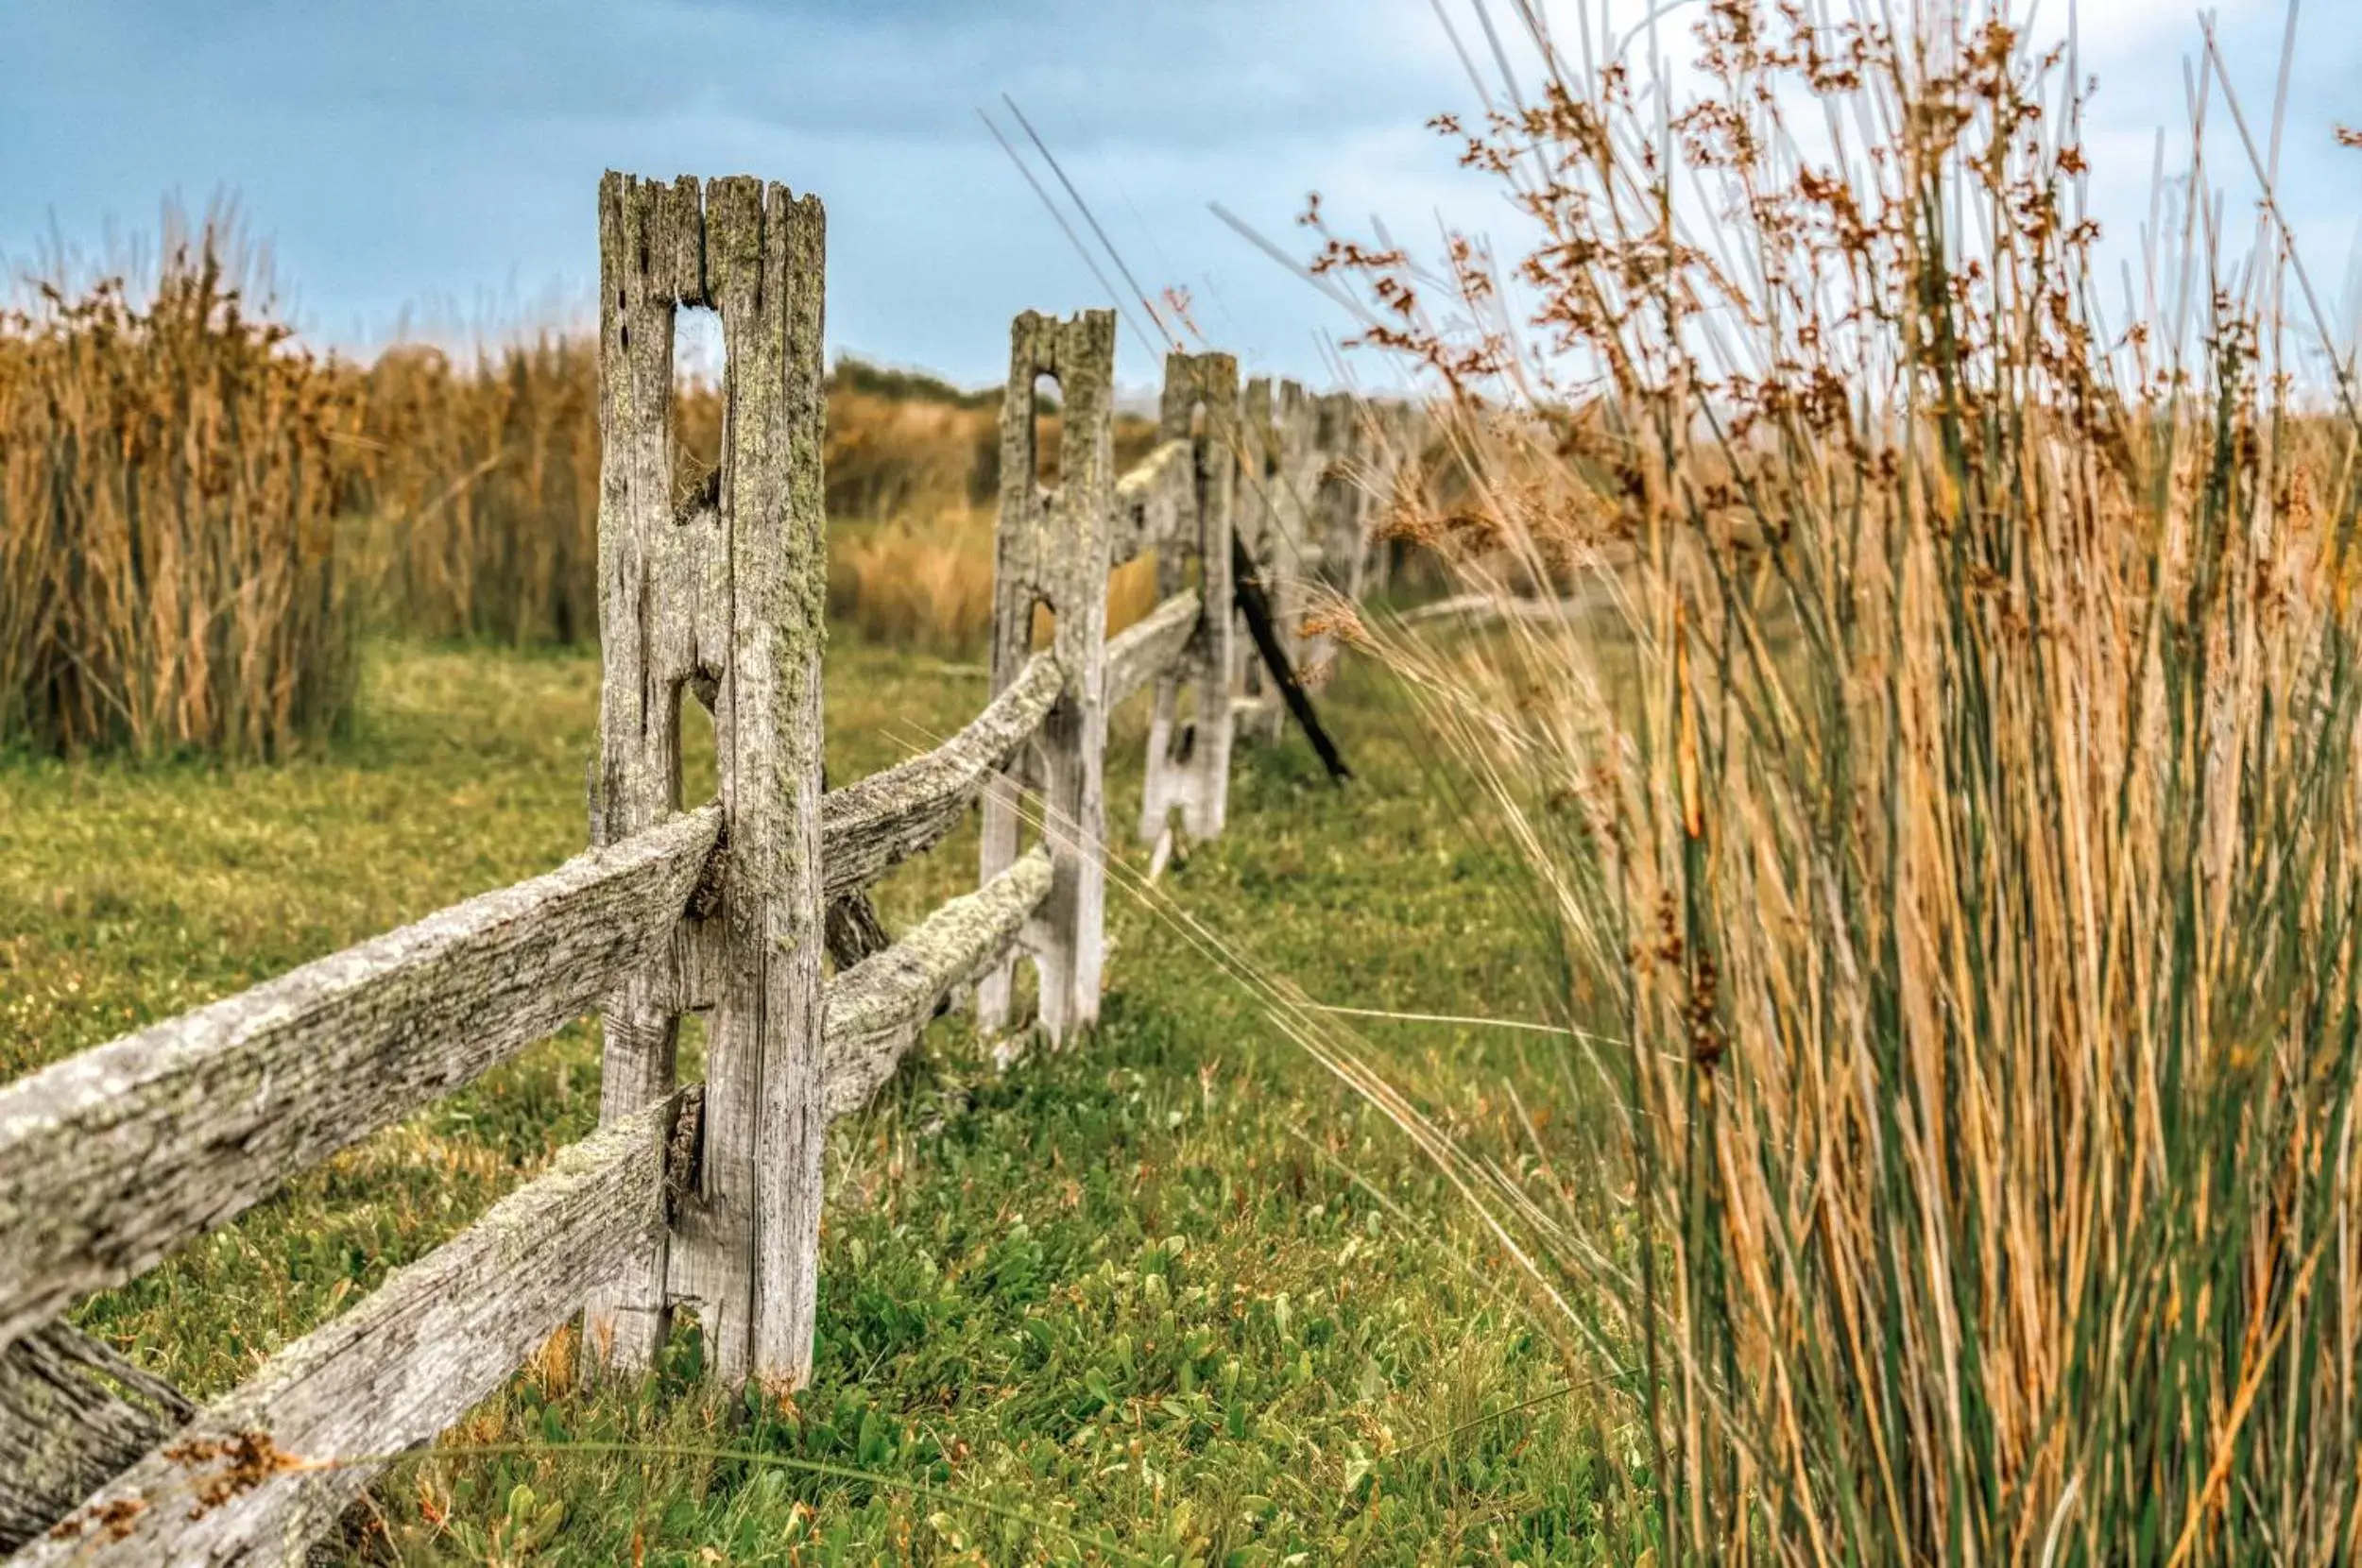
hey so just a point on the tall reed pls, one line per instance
(482, 491)
(481, 495)
(171, 469)
(1940, 788)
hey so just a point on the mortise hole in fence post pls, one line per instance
(700, 369)
(1051, 553)
(710, 600)
(1188, 770)
(697, 762)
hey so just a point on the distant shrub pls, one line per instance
(915, 386)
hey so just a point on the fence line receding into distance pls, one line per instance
(700, 1194)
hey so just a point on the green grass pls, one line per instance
(1134, 1291)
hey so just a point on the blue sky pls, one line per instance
(440, 158)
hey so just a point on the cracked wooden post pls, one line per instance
(1342, 508)
(1189, 769)
(718, 597)
(1052, 551)
(1274, 522)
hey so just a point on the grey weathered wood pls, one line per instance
(110, 1159)
(272, 1465)
(1142, 651)
(723, 598)
(1051, 549)
(1149, 501)
(877, 1008)
(1365, 450)
(755, 1243)
(663, 632)
(869, 825)
(855, 930)
(1277, 483)
(1201, 404)
(73, 1416)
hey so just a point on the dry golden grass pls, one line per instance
(484, 489)
(481, 491)
(912, 484)
(926, 581)
(171, 470)
(196, 518)
(1950, 830)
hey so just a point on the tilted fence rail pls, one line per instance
(705, 1194)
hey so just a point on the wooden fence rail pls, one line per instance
(705, 1194)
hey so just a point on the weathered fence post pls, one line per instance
(718, 596)
(1342, 506)
(1274, 522)
(1191, 769)
(1052, 551)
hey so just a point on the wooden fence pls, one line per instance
(707, 1194)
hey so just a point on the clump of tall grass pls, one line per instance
(482, 490)
(171, 469)
(912, 467)
(922, 582)
(1952, 831)
(481, 494)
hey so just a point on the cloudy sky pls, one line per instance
(435, 160)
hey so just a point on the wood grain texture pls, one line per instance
(855, 930)
(73, 1416)
(1149, 501)
(753, 1236)
(1201, 406)
(722, 598)
(272, 1465)
(1277, 480)
(110, 1159)
(1051, 551)
(1142, 651)
(877, 1008)
(873, 824)
(664, 633)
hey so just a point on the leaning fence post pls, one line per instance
(718, 597)
(1189, 768)
(1051, 549)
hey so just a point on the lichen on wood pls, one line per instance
(272, 1465)
(72, 1415)
(110, 1159)
(877, 1009)
(869, 825)
(1143, 650)
(1051, 551)
(722, 600)
(1201, 406)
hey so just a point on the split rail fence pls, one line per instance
(700, 1194)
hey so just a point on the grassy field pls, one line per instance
(1957, 850)
(1132, 1298)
